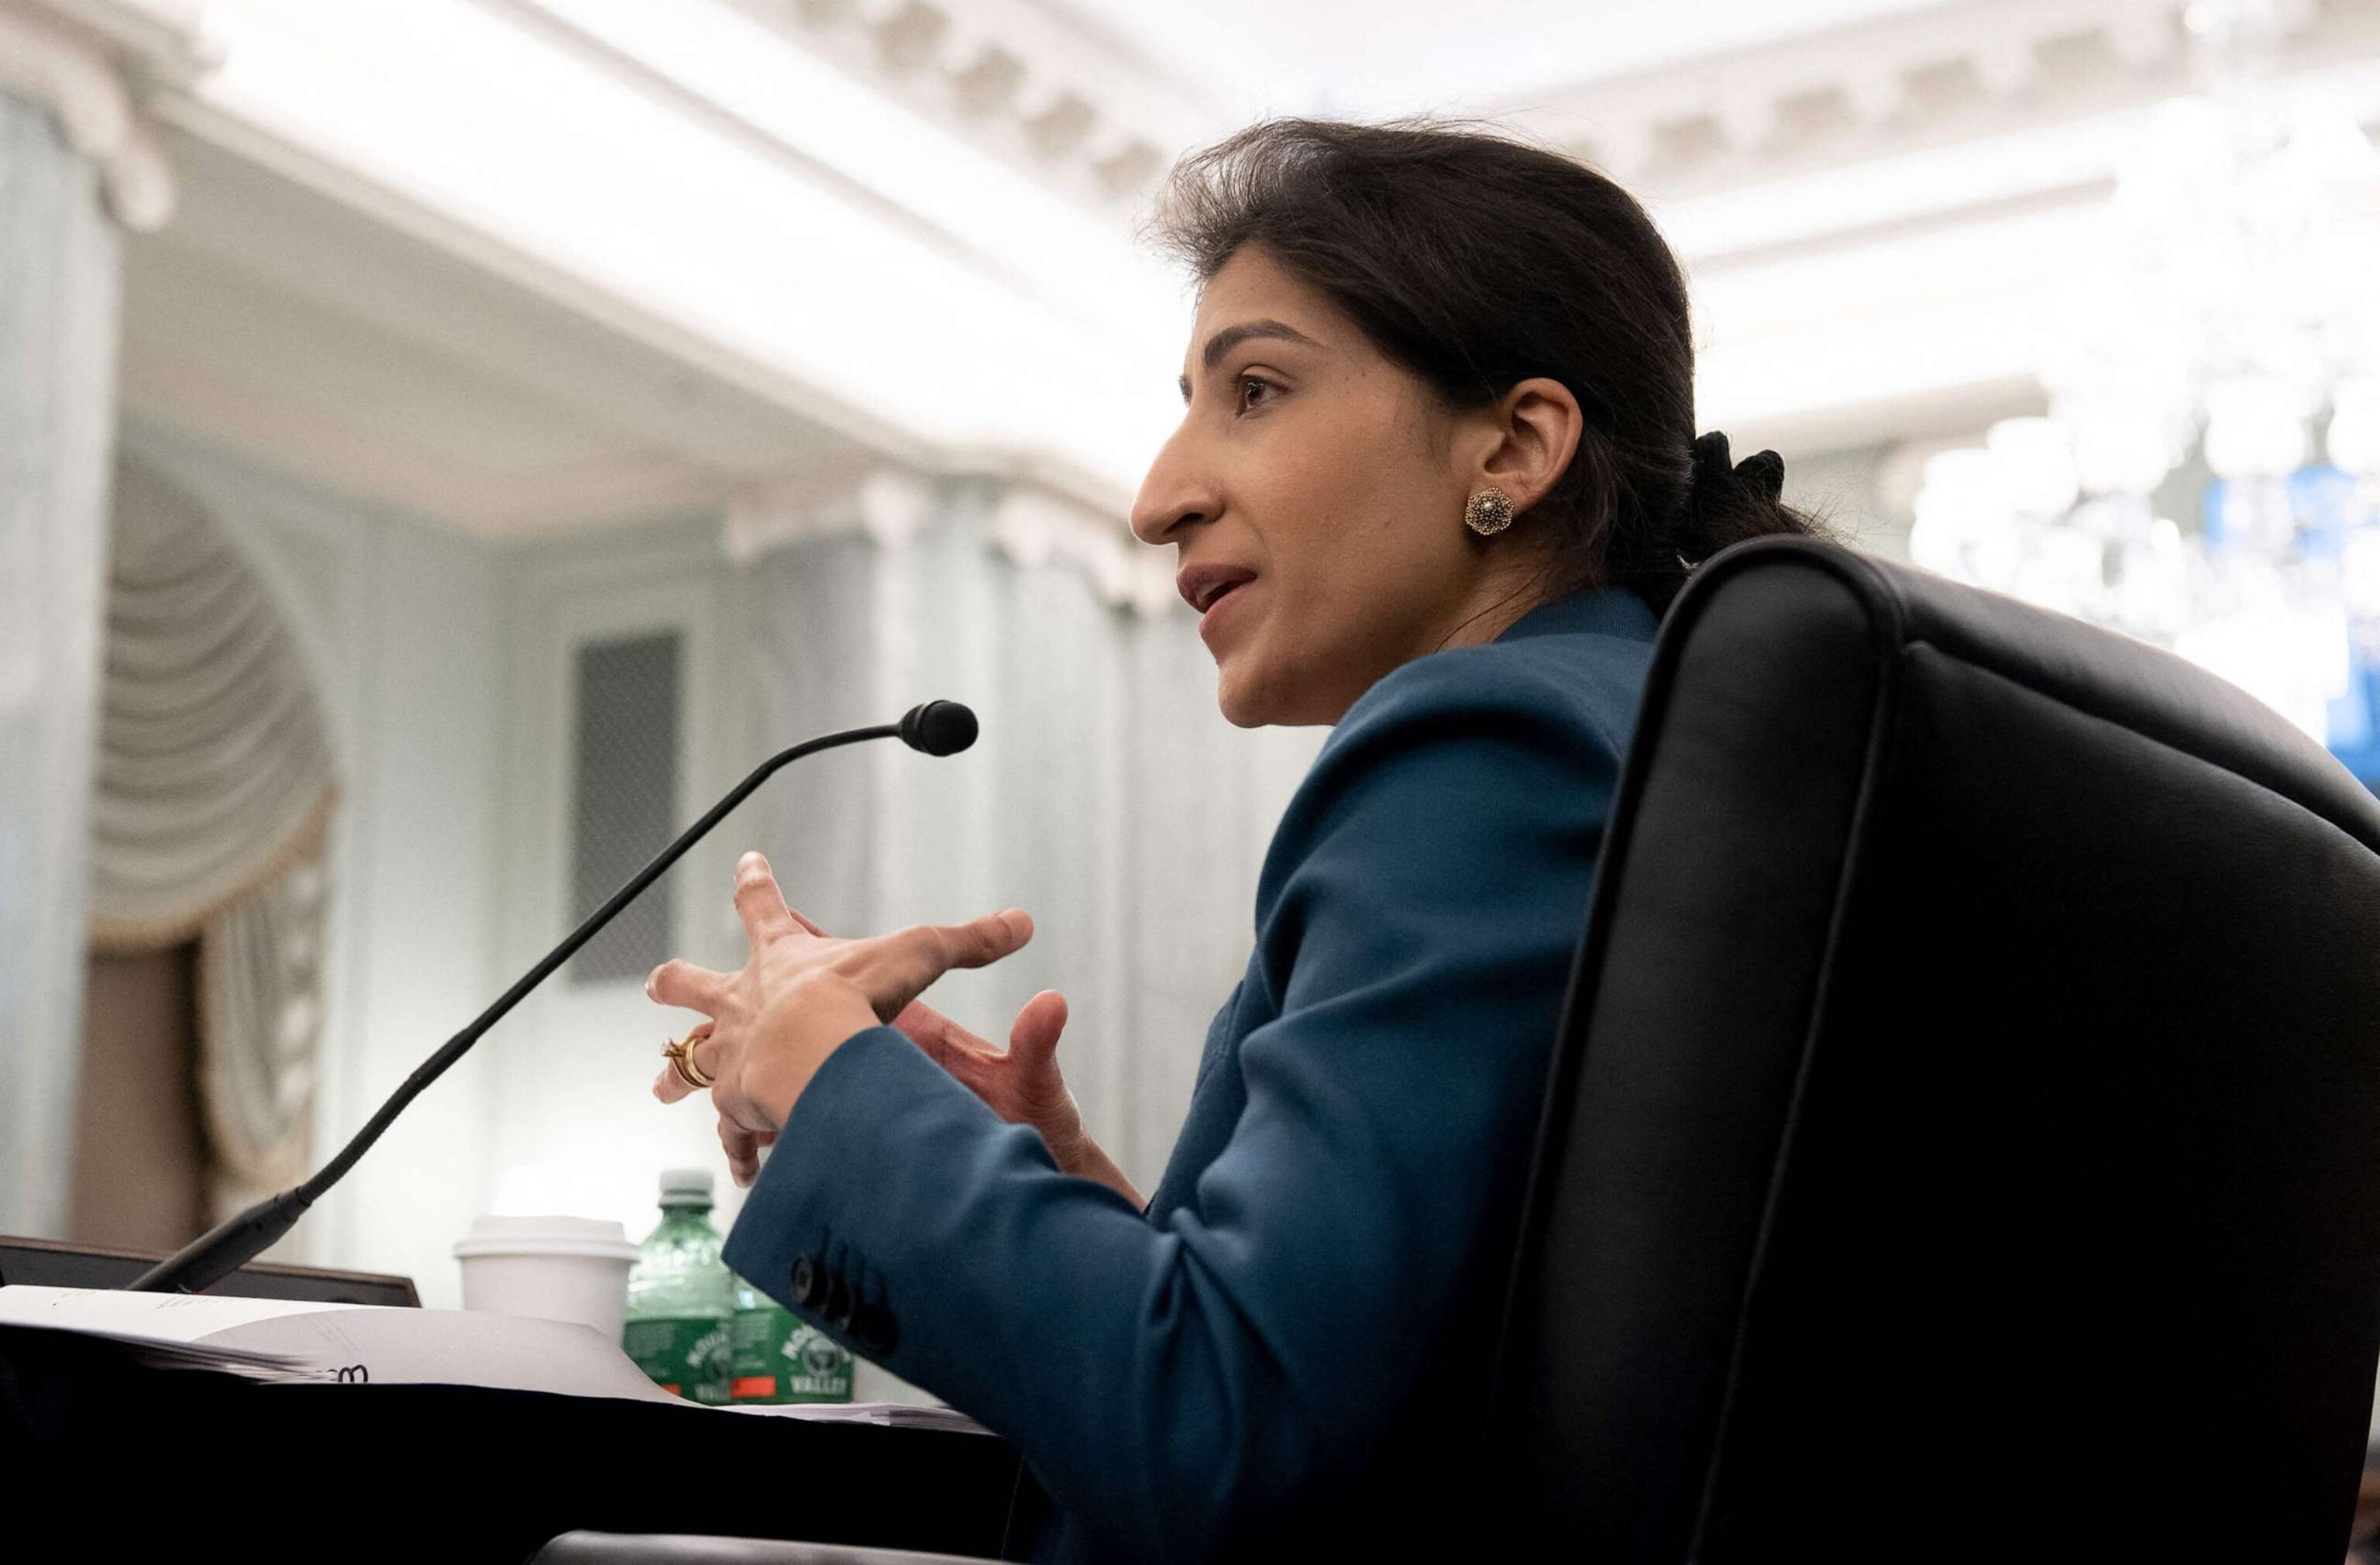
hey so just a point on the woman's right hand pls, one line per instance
(1022, 1083)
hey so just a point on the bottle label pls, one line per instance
(778, 1359)
(688, 1357)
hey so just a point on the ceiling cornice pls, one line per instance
(1096, 122)
(90, 62)
(708, 189)
(1904, 83)
(161, 40)
(1083, 116)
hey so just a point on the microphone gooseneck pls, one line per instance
(938, 728)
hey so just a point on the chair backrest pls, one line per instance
(1965, 1135)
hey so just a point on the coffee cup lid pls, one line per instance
(546, 1235)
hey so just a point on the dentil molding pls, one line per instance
(1094, 123)
(1944, 73)
(1104, 127)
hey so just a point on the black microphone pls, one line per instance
(938, 728)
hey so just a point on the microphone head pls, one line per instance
(938, 728)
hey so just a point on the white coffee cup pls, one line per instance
(556, 1268)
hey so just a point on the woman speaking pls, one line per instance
(1436, 478)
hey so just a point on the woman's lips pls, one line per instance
(1218, 608)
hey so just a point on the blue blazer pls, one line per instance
(1291, 1340)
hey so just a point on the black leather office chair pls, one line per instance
(1964, 1138)
(1965, 1135)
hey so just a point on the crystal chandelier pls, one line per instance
(2235, 313)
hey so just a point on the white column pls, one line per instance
(58, 275)
(74, 165)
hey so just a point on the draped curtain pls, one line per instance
(212, 800)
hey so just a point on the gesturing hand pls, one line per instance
(1021, 1083)
(799, 997)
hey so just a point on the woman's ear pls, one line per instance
(1536, 426)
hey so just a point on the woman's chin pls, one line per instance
(1249, 699)
(1236, 712)
(1242, 703)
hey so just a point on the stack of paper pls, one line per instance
(890, 1415)
(364, 1344)
(287, 1339)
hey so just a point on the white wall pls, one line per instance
(1108, 796)
(574, 1127)
(1846, 490)
(443, 666)
(401, 621)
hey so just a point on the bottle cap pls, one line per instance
(686, 1188)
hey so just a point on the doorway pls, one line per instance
(141, 1159)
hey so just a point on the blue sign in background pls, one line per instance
(2327, 504)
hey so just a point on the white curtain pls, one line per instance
(210, 803)
(1107, 796)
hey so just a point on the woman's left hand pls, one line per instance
(798, 998)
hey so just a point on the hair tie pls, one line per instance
(1716, 477)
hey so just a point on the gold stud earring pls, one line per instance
(1489, 510)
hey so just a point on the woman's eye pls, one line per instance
(1255, 389)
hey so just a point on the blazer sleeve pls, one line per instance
(1417, 917)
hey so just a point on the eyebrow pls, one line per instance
(1231, 337)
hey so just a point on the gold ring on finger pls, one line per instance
(680, 1053)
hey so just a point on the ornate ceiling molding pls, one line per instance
(1090, 119)
(87, 61)
(1905, 83)
(1076, 112)
(1093, 120)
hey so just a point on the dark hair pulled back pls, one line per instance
(1478, 262)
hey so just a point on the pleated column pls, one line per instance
(60, 268)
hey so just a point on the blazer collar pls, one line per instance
(1611, 611)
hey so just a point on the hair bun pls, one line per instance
(1716, 476)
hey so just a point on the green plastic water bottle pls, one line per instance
(778, 1359)
(682, 1297)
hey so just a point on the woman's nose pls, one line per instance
(1172, 496)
